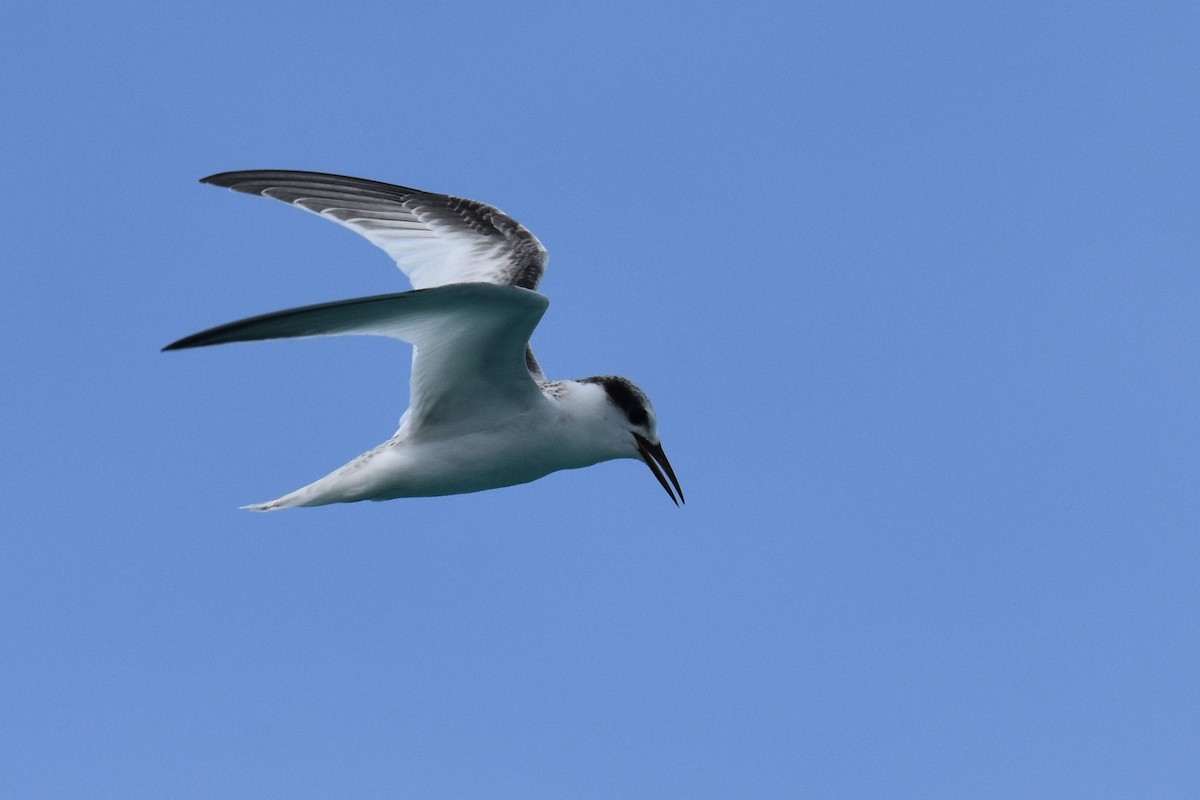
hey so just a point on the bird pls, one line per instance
(482, 414)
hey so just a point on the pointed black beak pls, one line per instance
(656, 460)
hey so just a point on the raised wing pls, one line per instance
(435, 239)
(469, 342)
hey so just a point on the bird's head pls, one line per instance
(627, 410)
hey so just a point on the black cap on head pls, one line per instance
(625, 396)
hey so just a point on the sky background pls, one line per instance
(914, 290)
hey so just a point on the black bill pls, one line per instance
(656, 460)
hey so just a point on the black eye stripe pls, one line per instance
(624, 396)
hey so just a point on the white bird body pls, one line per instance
(482, 415)
(559, 432)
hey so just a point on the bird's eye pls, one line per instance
(638, 417)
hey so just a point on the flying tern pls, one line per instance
(481, 413)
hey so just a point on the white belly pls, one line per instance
(468, 462)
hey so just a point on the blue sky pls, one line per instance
(913, 288)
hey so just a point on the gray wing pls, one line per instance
(435, 239)
(469, 342)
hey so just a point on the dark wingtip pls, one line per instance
(225, 179)
(182, 344)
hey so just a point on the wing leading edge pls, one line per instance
(470, 340)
